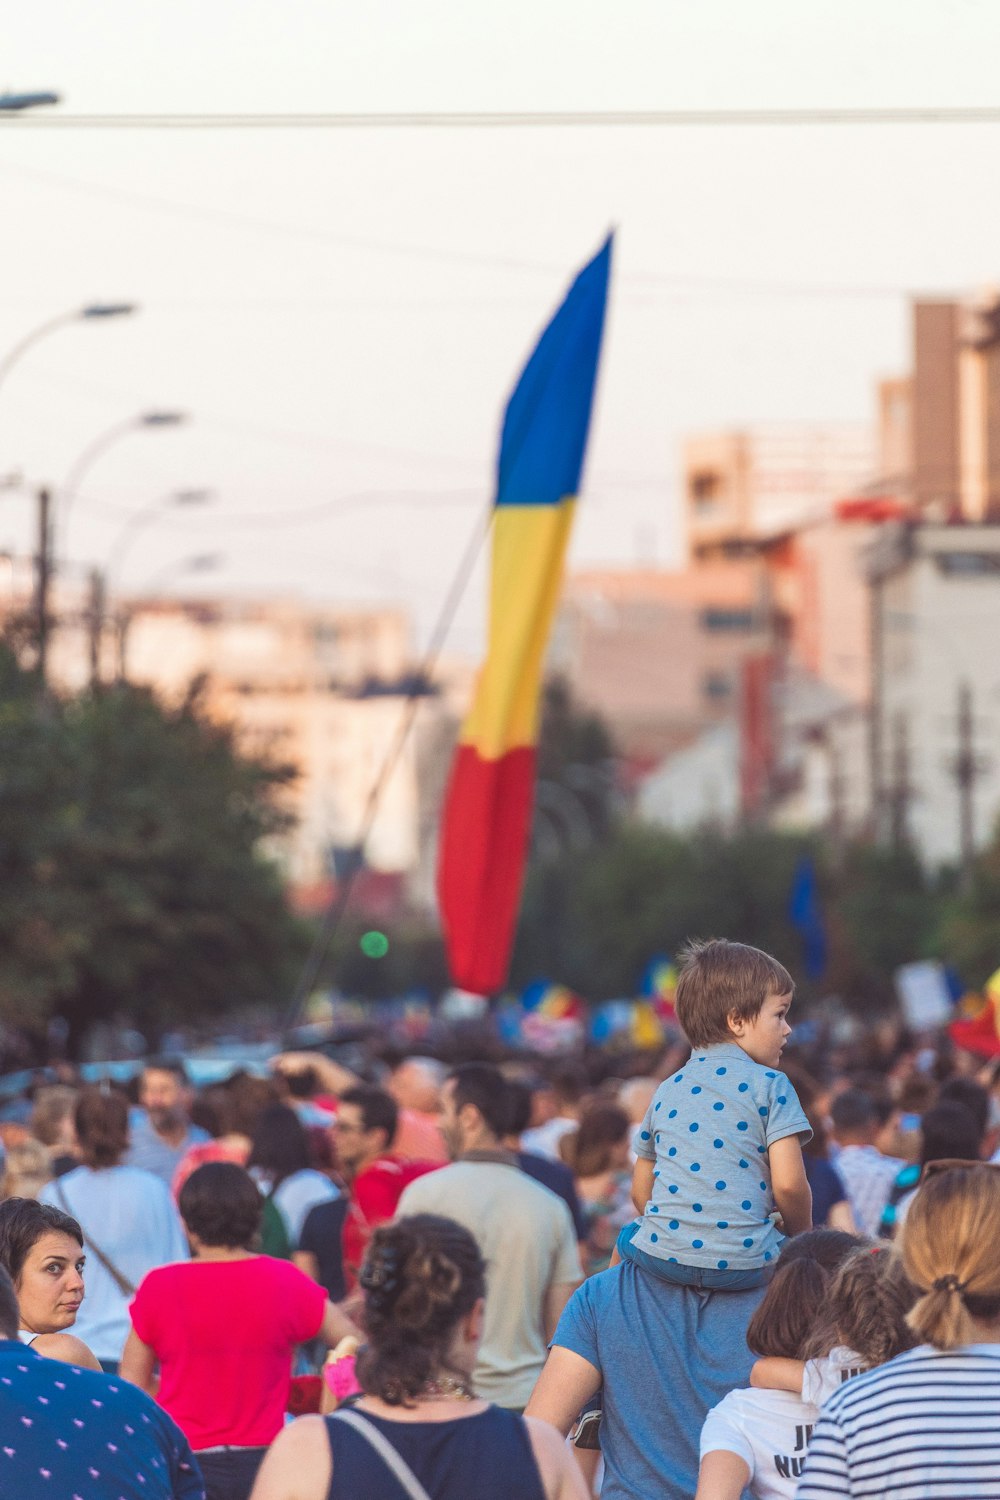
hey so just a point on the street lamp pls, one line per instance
(103, 581)
(200, 562)
(203, 562)
(15, 103)
(100, 445)
(93, 312)
(144, 517)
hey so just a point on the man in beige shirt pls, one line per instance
(524, 1231)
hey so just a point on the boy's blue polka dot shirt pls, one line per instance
(708, 1130)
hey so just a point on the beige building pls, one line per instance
(321, 689)
(324, 690)
(751, 484)
(658, 653)
(937, 687)
(939, 427)
(819, 594)
(790, 510)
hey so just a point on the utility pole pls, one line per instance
(876, 695)
(899, 792)
(123, 622)
(966, 768)
(836, 823)
(95, 624)
(43, 578)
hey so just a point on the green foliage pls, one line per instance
(594, 919)
(130, 874)
(414, 960)
(884, 914)
(969, 929)
(576, 763)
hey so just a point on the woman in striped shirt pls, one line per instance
(926, 1426)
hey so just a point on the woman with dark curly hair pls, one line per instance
(223, 1327)
(420, 1430)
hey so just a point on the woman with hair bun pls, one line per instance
(419, 1431)
(925, 1424)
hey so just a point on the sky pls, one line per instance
(343, 312)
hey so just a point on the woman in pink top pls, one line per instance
(222, 1328)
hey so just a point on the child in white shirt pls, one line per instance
(863, 1325)
(754, 1439)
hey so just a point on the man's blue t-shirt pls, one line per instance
(666, 1355)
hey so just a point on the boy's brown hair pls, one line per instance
(719, 979)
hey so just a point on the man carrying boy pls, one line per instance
(663, 1353)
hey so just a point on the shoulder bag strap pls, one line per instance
(119, 1278)
(386, 1452)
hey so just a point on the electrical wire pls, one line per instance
(681, 283)
(334, 914)
(967, 114)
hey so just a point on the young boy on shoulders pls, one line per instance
(719, 1181)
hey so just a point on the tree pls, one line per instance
(576, 769)
(594, 921)
(884, 913)
(131, 877)
(414, 960)
(969, 929)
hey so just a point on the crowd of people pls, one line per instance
(735, 1267)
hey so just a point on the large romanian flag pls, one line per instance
(487, 815)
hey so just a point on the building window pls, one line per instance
(968, 564)
(727, 619)
(717, 686)
(705, 489)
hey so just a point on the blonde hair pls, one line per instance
(28, 1169)
(51, 1108)
(949, 1251)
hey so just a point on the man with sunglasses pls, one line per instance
(364, 1134)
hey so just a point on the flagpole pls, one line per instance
(338, 904)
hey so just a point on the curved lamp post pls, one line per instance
(93, 312)
(145, 516)
(200, 562)
(100, 445)
(14, 104)
(103, 581)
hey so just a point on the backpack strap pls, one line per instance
(119, 1278)
(397, 1465)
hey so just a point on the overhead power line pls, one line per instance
(680, 284)
(986, 114)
